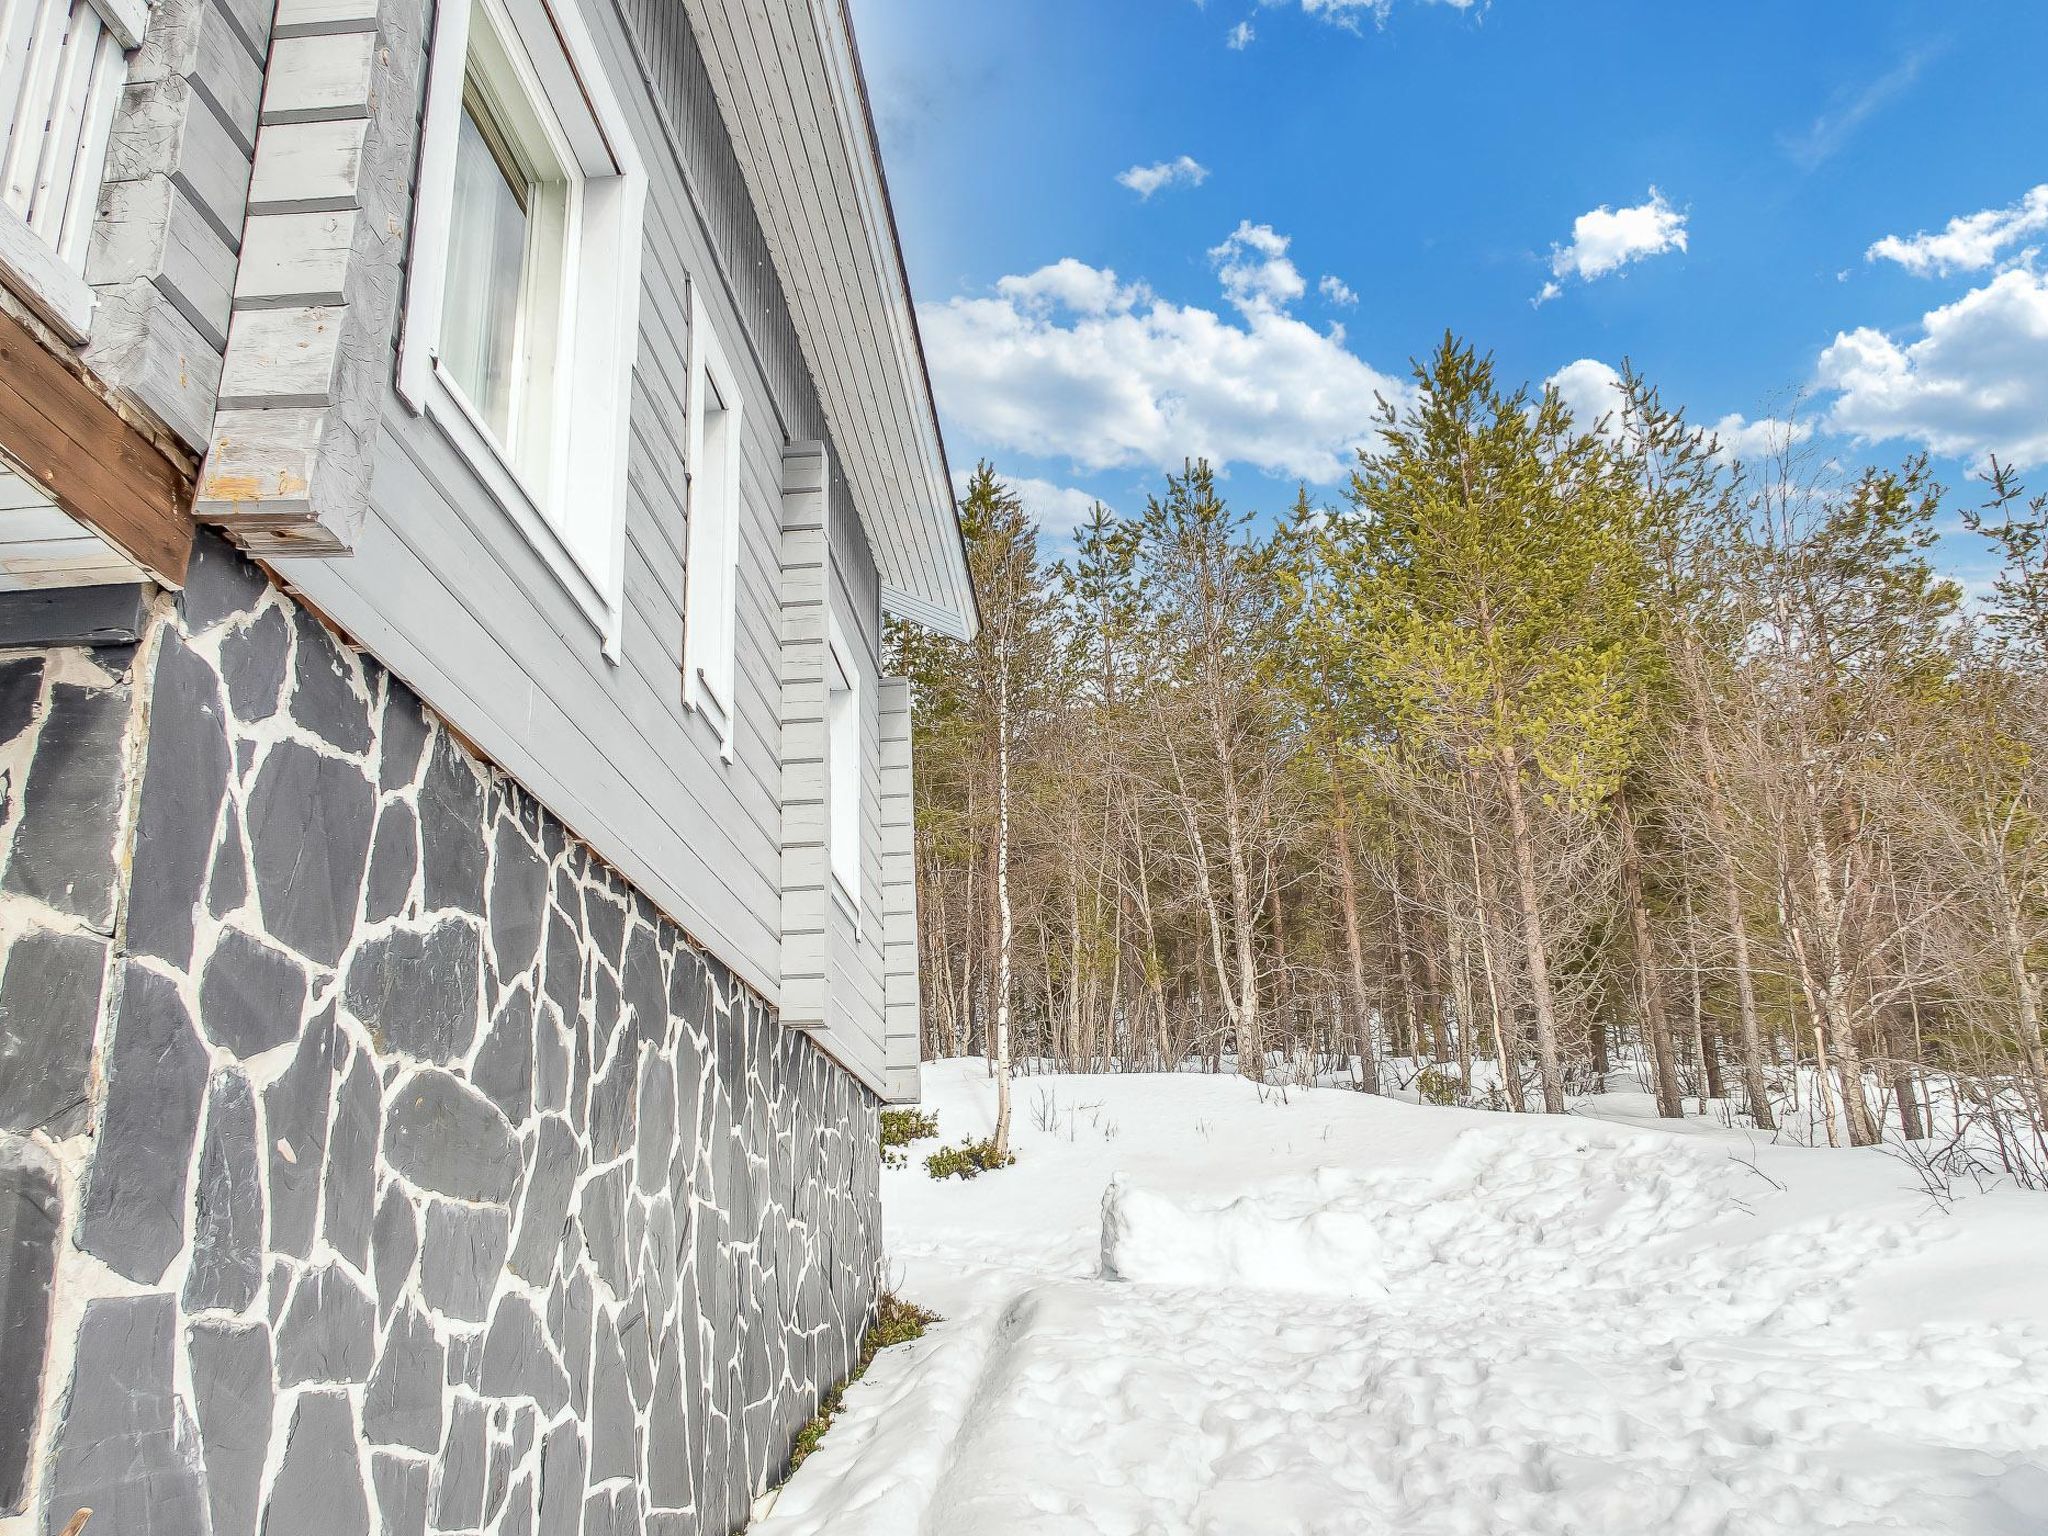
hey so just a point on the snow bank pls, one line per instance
(1251, 1243)
(1196, 1311)
(1537, 1201)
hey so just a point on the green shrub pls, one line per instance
(969, 1160)
(896, 1322)
(900, 1127)
(1439, 1087)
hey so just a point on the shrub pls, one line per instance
(900, 1127)
(969, 1160)
(896, 1321)
(1438, 1086)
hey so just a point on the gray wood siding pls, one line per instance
(173, 188)
(445, 588)
(832, 963)
(854, 996)
(901, 1031)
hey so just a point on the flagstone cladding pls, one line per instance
(372, 1157)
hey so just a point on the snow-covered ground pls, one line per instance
(1193, 1309)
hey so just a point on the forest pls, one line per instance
(1550, 751)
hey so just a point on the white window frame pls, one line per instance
(843, 705)
(716, 525)
(574, 514)
(61, 73)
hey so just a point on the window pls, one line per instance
(501, 311)
(522, 312)
(711, 574)
(61, 70)
(842, 770)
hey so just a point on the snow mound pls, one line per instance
(1469, 1325)
(1253, 1243)
(1532, 1207)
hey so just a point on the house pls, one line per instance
(455, 877)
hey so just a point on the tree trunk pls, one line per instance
(1508, 1060)
(1354, 946)
(1425, 956)
(1154, 967)
(1003, 925)
(1821, 1086)
(1704, 1039)
(1251, 1041)
(1834, 982)
(1656, 1021)
(1550, 1068)
(1751, 1039)
(1903, 1087)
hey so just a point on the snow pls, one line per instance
(1195, 1308)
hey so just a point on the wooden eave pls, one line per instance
(58, 431)
(789, 84)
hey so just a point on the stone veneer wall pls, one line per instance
(371, 1156)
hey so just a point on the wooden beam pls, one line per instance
(89, 461)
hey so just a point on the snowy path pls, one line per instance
(1339, 1315)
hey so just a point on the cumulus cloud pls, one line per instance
(1181, 171)
(1240, 36)
(1081, 366)
(1592, 392)
(1970, 242)
(1057, 509)
(1608, 239)
(1336, 290)
(1974, 383)
(1071, 284)
(1253, 267)
(1742, 439)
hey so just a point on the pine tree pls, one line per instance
(1500, 595)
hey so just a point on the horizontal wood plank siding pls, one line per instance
(901, 1032)
(446, 589)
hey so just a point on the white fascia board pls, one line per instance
(904, 496)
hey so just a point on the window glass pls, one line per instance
(711, 592)
(509, 219)
(842, 751)
(486, 266)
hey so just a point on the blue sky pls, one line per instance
(1752, 201)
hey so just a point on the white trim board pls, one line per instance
(576, 514)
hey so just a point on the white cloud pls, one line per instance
(1852, 108)
(1348, 13)
(1240, 36)
(1591, 390)
(1742, 439)
(1607, 239)
(1976, 382)
(1057, 509)
(1593, 393)
(1253, 267)
(1336, 290)
(1071, 284)
(1182, 170)
(1143, 381)
(1970, 242)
